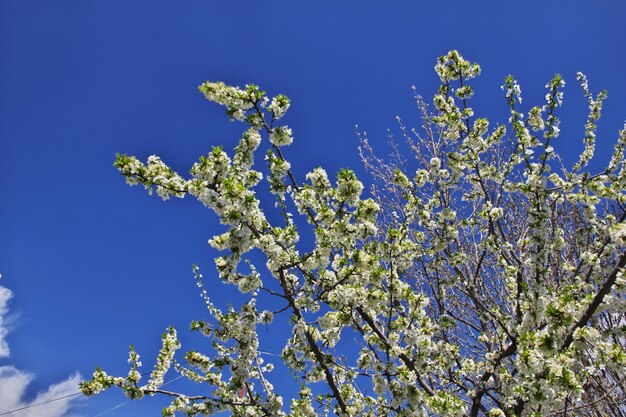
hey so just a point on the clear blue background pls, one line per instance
(96, 265)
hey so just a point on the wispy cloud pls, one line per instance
(13, 382)
(5, 294)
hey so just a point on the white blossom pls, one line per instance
(484, 284)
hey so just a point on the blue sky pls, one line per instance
(94, 265)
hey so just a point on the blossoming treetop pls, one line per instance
(489, 281)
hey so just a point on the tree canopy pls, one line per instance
(487, 281)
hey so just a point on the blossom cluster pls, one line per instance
(478, 283)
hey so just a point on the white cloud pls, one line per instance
(5, 294)
(13, 382)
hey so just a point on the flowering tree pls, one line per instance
(488, 282)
